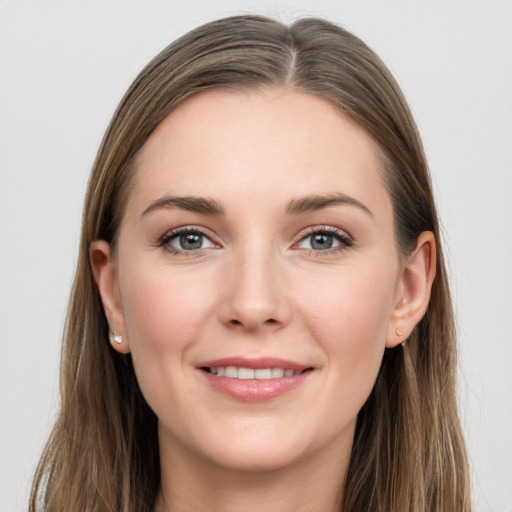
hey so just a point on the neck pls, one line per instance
(189, 482)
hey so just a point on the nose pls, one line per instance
(254, 294)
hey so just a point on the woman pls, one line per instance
(260, 245)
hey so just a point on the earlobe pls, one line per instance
(105, 276)
(413, 290)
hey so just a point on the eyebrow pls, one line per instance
(206, 206)
(201, 205)
(317, 202)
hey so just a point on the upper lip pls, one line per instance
(260, 362)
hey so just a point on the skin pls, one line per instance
(257, 288)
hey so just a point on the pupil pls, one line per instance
(321, 241)
(191, 241)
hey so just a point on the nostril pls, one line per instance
(270, 321)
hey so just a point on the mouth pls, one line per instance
(242, 373)
(254, 380)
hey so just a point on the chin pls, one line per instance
(256, 459)
(260, 447)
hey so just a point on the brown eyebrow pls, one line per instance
(316, 202)
(201, 205)
(296, 206)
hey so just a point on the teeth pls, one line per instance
(231, 371)
(245, 373)
(235, 372)
(263, 373)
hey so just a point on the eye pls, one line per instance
(185, 240)
(325, 239)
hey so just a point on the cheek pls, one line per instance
(352, 303)
(348, 315)
(156, 297)
(164, 310)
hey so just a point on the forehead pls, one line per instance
(276, 142)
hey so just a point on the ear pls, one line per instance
(413, 290)
(105, 275)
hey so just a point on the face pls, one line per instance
(256, 277)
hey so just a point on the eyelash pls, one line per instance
(345, 241)
(165, 241)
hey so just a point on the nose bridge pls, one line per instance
(255, 296)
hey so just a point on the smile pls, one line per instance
(254, 380)
(242, 373)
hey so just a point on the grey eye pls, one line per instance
(320, 241)
(190, 241)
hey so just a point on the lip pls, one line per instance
(254, 390)
(259, 362)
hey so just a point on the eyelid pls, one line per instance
(345, 239)
(164, 240)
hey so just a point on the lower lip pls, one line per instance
(254, 390)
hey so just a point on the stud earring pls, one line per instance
(115, 338)
(399, 332)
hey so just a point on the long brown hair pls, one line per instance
(408, 452)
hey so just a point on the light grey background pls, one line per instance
(64, 65)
